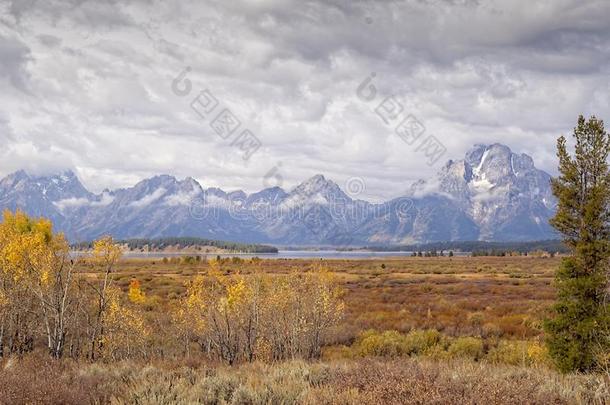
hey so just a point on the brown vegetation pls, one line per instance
(38, 381)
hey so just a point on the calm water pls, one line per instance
(290, 254)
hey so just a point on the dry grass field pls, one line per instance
(345, 382)
(502, 297)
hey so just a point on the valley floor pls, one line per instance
(501, 297)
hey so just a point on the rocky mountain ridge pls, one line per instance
(492, 194)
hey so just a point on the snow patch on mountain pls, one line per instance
(477, 171)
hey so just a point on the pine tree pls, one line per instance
(576, 333)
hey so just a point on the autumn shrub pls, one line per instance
(466, 347)
(420, 341)
(434, 345)
(519, 353)
(393, 343)
(386, 344)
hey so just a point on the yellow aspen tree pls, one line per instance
(5, 311)
(36, 265)
(225, 314)
(52, 283)
(189, 317)
(281, 317)
(326, 308)
(255, 346)
(232, 319)
(10, 315)
(126, 332)
(254, 316)
(106, 253)
(135, 293)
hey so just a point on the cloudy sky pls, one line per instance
(95, 86)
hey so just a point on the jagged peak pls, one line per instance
(216, 191)
(315, 184)
(64, 175)
(168, 180)
(236, 194)
(19, 174)
(480, 148)
(317, 177)
(275, 190)
(165, 181)
(484, 146)
(161, 177)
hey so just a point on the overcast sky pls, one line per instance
(87, 85)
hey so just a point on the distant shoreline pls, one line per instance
(280, 255)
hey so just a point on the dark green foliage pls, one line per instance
(493, 252)
(187, 242)
(577, 334)
(481, 247)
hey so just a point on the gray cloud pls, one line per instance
(14, 56)
(87, 84)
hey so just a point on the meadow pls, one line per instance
(503, 297)
(413, 330)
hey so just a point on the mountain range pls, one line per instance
(491, 194)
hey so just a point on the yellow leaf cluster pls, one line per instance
(189, 316)
(126, 329)
(106, 251)
(236, 294)
(29, 251)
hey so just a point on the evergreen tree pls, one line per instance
(577, 333)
